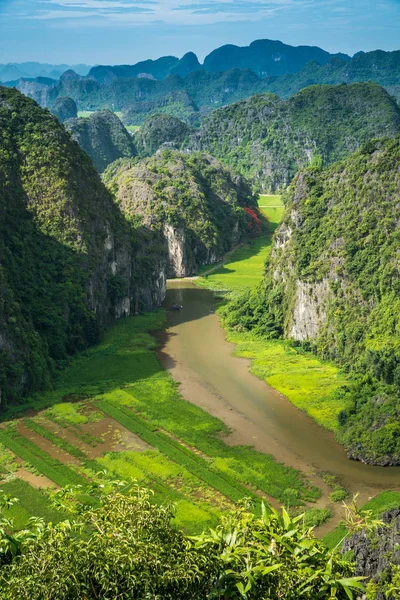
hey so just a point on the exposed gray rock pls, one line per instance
(376, 553)
(309, 311)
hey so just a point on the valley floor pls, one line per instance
(310, 384)
(116, 410)
(117, 413)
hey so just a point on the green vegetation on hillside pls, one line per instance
(158, 130)
(378, 66)
(192, 203)
(177, 104)
(268, 139)
(103, 137)
(64, 108)
(55, 216)
(342, 255)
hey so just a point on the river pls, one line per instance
(195, 352)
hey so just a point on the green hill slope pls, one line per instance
(333, 284)
(67, 263)
(103, 137)
(161, 130)
(194, 204)
(268, 139)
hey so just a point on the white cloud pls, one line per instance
(178, 12)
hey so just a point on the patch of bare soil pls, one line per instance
(46, 445)
(115, 438)
(37, 481)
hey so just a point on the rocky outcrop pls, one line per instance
(161, 131)
(376, 553)
(70, 261)
(64, 108)
(103, 137)
(309, 310)
(192, 204)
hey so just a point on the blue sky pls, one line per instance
(125, 31)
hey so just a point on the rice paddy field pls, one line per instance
(116, 414)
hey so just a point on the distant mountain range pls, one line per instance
(186, 89)
(265, 57)
(28, 70)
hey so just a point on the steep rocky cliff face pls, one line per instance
(335, 254)
(192, 203)
(68, 265)
(333, 284)
(268, 139)
(103, 137)
(377, 557)
(338, 272)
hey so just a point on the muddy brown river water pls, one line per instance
(194, 350)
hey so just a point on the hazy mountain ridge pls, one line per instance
(13, 71)
(182, 89)
(264, 57)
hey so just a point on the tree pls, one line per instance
(119, 545)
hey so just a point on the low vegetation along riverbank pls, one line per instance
(116, 410)
(116, 413)
(312, 385)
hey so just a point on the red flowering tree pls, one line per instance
(253, 221)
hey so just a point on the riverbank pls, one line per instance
(115, 409)
(308, 383)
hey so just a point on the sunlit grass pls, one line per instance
(381, 503)
(31, 502)
(309, 383)
(84, 114)
(132, 128)
(272, 208)
(66, 413)
(245, 266)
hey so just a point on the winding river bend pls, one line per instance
(194, 350)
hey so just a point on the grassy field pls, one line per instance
(272, 208)
(309, 383)
(83, 114)
(115, 409)
(132, 128)
(245, 266)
